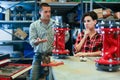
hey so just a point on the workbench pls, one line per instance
(73, 69)
(10, 70)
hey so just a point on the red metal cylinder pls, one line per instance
(59, 41)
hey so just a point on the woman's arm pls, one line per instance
(88, 54)
(78, 46)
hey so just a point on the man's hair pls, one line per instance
(92, 14)
(44, 5)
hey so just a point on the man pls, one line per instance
(41, 36)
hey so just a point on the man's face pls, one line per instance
(89, 23)
(45, 13)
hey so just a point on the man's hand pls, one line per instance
(38, 40)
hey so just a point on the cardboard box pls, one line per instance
(99, 12)
(20, 34)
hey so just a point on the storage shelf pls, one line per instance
(101, 2)
(64, 4)
(2, 21)
(14, 41)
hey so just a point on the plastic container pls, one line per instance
(2, 16)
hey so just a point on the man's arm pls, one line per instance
(32, 34)
(33, 38)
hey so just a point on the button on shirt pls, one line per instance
(43, 31)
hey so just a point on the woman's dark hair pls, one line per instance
(92, 14)
(44, 5)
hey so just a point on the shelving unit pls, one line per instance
(17, 44)
(28, 6)
(112, 5)
(62, 10)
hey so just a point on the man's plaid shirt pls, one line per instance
(90, 45)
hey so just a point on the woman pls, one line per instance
(89, 42)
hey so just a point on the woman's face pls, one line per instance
(89, 23)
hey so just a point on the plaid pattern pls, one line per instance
(91, 45)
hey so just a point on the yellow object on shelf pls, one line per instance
(20, 34)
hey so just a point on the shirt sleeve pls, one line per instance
(32, 34)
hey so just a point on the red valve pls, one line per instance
(59, 41)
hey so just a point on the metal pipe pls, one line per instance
(35, 16)
(91, 5)
(81, 25)
(86, 7)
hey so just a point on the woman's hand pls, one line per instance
(86, 33)
(81, 54)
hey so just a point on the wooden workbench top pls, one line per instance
(73, 69)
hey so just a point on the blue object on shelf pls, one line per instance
(2, 16)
